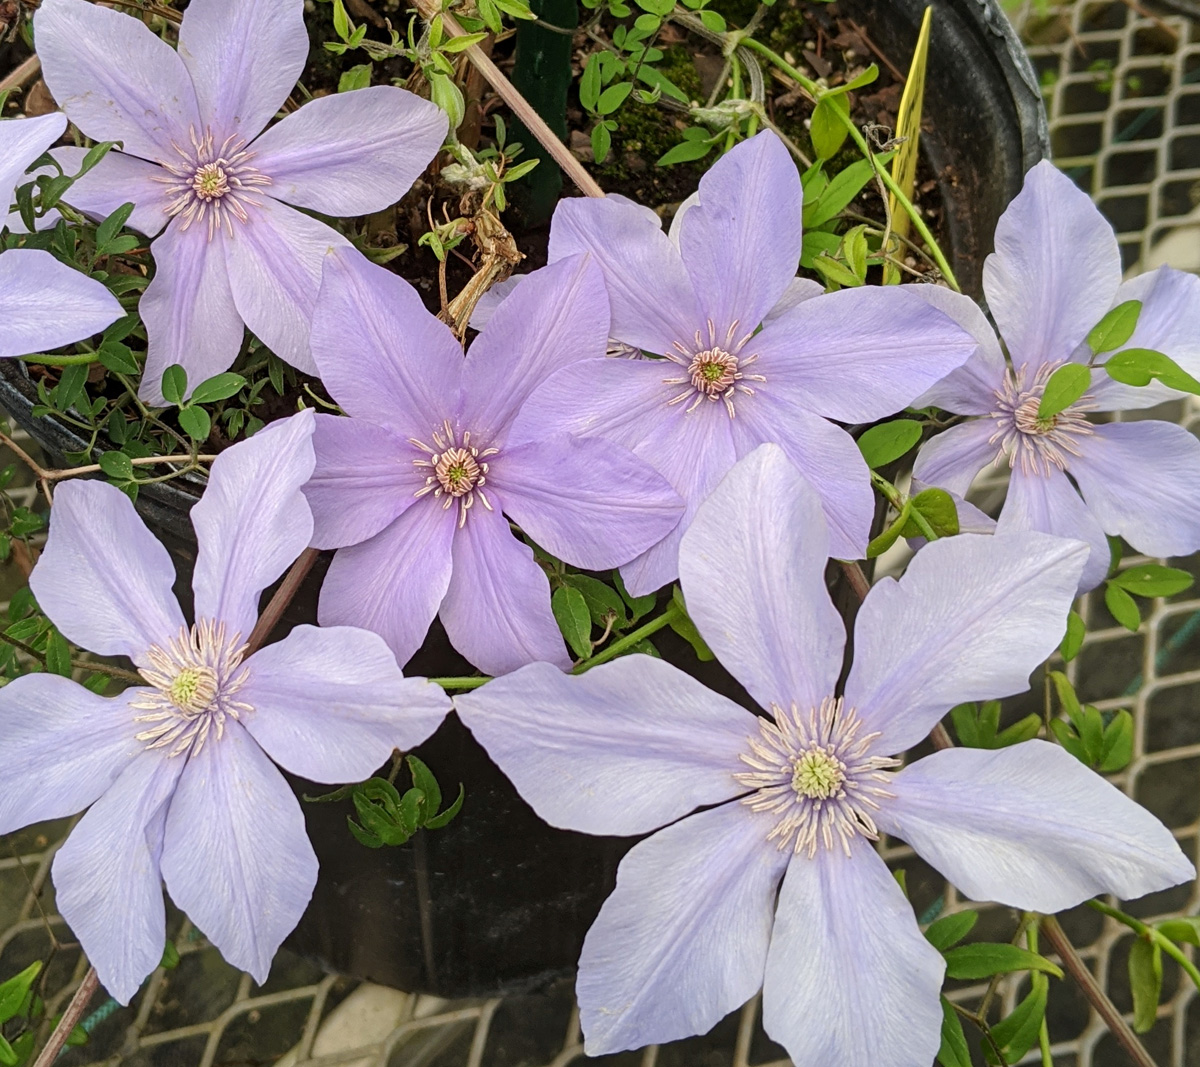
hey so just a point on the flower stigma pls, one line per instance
(212, 185)
(1035, 443)
(816, 774)
(714, 368)
(459, 469)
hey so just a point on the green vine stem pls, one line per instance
(473, 682)
(669, 616)
(1153, 936)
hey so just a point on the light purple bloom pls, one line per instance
(197, 162)
(46, 303)
(855, 356)
(695, 926)
(1055, 273)
(178, 774)
(419, 481)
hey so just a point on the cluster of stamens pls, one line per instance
(816, 774)
(459, 469)
(714, 368)
(1036, 444)
(194, 679)
(212, 185)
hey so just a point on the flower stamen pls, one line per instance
(459, 469)
(1037, 444)
(715, 371)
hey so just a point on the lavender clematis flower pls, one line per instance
(197, 162)
(698, 300)
(418, 481)
(46, 303)
(177, 775)
(1055, 273)
(698, 921)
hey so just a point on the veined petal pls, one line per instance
(1055, 269)
(394, 583)
(106, 877)
(252, 521)
(1141, 480)
(971, 618)
(497, 607)
(953, 458)
(798, 290)
(48, 304)
(351, 153)
(189, 311)
(591, 503)
(741, 240)
(115, 79)
(621, 749)
(1030, 826)
(850, 978)
(20, 144)
(651, 296)
(682, 941)
(330, 704)
(98, 543)
(753, 571)
(236, 858)
(381, 355)
(860, 354)
(274, 262)
(558, 316)
(117, 179)
(243, 59)
(63, 747)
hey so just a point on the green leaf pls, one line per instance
(1122, 607)
(438, 821)
(1138, 366)
(887, 442)
(938, 509)
(713, 21)
(686, 629)
(827, 130)
(117, 357)
(1117, 747)
(174, 383)
(1073, 641)
(341, 21)
(424, 780)
(1185, 931)
(1066, 385)
(1025, 729)
(1066, 693)
(170, 956)
(116, 465)
(891, 535)
(638, 605)
(573, 618)
(685, 152)
(602, 600)
(601, 142)
(357, 77)
(865, 78)
(219, 387)
(8, 1055)
(1145, 982)
(950, 929)
(854, 251)
(1017, 1033)
(613, 97)
(69, 391)
(196, 423)
(58, 654)
(654, 78)
(409, 815)
(1112, 331)
(842, 188)
(985, 959)
(111, 226)
(966, 724)
(14, 991)
(589, 84)
(954, 1051)
(834, 271)
(1153, 579)
(817, 243)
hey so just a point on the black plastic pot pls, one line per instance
(497, 901)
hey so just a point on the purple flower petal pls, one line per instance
(274, 262)
(798, 290)
(652, 299)
(236, 858)
(252, 521)
(117, 179)
(591, 503)
(1142, 481)
(1049, 503)
(953, 458)
(351, 153)
(363, 479)
(189, 310)
(970, 619)
(63, 747)
(1030, 826)
(330, 704)
(741, 241)
(115, 79)
(21, 143)
(97, 543)
(857, 355)
(497, 608)
(850, 978)
(621, 749)
(394, 583)
(753, 571)
(486, 306)
(558, 316)
(683, 939)
(381, 355)
(48, 304)
(1055, 270)
(243, 59)
(106, 877)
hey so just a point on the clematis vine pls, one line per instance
(177, 775)
(721, 386)
(197, 162)
(414, 488)
(46, 303)
(698, 921)
(1055, 273)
